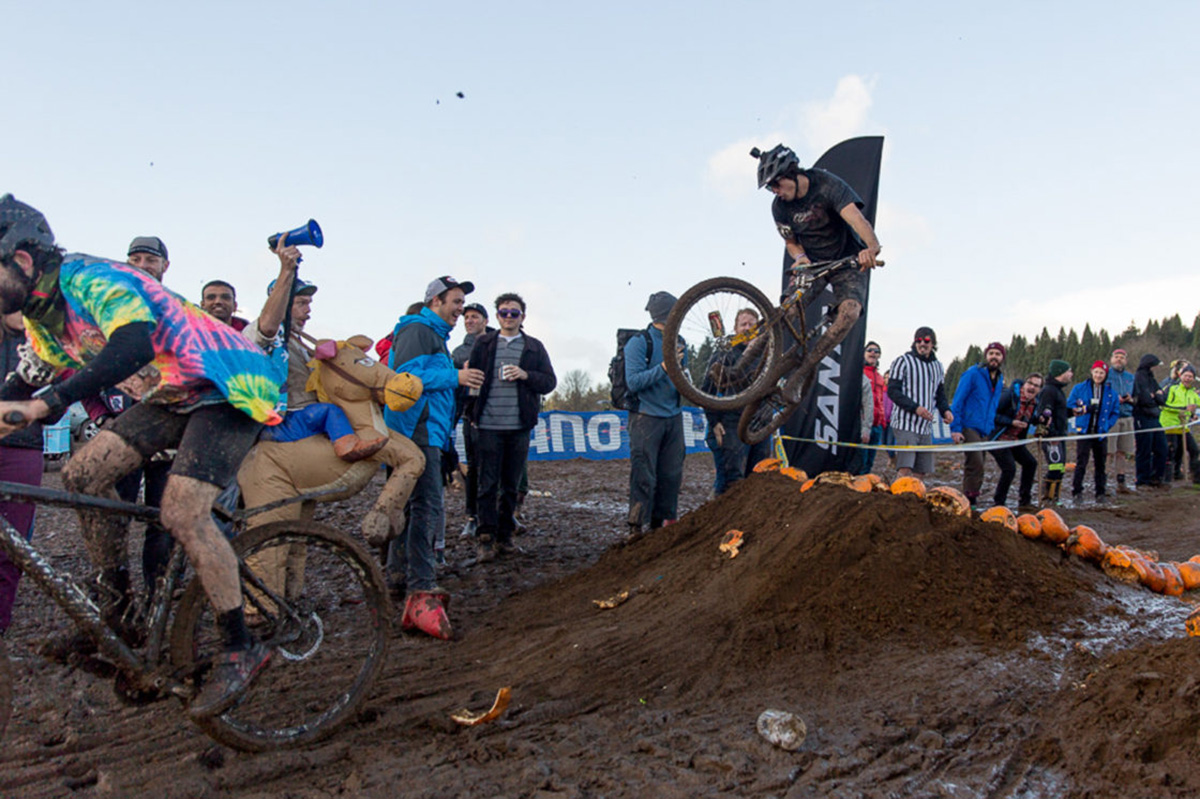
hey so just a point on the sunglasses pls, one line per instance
(926, 340)
(508, 313)
(872, 351)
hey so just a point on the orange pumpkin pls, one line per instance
(1085, 542)
(867, 483)
(1193, 621)
(1000, 515)
(1151, 575)
(768, 465)
(945, 499)
(1174, 581)
(807, 484)
(908, 485)
(1029, 526)
(794, 473)
(1189, 572)
(1053, 527)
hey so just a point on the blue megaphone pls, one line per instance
(309, 235)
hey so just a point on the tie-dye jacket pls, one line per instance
(197, 359)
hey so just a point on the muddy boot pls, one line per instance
(1121, 487)
(351, 448)
(426, 611)
(485, 551)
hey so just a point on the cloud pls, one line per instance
(732, 170)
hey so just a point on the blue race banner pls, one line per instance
(602, 435)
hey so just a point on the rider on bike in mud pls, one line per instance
(819, 217)
(206, 391)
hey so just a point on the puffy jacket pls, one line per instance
(975, 400)
(419, 347)
(878, 392)
(536, 364)
(1175, 414)
(1110, 406)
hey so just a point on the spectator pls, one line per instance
(419, 347)
(974, 410)
(1014, 415)
(656, 447)
(917, 388)
(475, 320)
(1177, 414)
(1150, 441)
(889, 407)
(20, 462)
(1120, 443)
(1052, 415)
(1096, 410)
(1172, 379)
(516, 374)
(730, 455)
(219, 299)
(873, 435)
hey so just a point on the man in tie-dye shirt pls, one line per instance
(204, 389)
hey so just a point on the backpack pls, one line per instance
(622, 398)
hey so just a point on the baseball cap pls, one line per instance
(477, 308)
(303, 289)
(445, 283)
(149, 244)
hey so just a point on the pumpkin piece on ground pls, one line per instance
(908, 485)
(1084, 542)
(1193, 622)
(1053, 527)
(945, 499)
(768, 465)
(798, 475)
(1000, 515)
(1029, 526)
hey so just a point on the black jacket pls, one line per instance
(27, 437)
(1147, 396)
(534, 361)
(1053, 399)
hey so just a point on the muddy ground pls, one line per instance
(929, 657)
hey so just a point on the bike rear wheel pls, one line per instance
(327, 629)
(705, 317)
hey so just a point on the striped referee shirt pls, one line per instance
(919, 381)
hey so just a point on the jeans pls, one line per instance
(1007, 460)
(17, 465)
(729, 456)
(1083, 449)
(866, 457)
(1150, 450)
(656, 453)
(410, 555)
(502, 455)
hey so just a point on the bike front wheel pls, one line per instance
(319, 601)
(730, 369)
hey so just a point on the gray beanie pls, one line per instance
(660, 305)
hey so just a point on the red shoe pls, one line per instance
(351, 448)
(426, 611)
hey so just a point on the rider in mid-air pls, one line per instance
(819, 217)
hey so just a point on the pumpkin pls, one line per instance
(867, 483)
(908, 485)
(1189, 572)
(945, 499)
(1193, 621)
(1122, 562)
(1151, 575)
(1000, 515)
(1174, 581)
(768, 465)
(807, 484)
(731, 542)
(835, 478)
(798, 475)
(1053, 527)
(1029, 526)
(1085, 543)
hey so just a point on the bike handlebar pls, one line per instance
(822, 267)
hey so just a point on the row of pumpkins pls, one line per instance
(1124, 563)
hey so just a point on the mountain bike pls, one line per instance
(329, 640)
(757, 370)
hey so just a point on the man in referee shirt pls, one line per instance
(917, 388)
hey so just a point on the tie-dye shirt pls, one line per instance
(198, 360)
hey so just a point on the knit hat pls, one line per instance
(1100, 365)
(996, 345)
(1057, 368)
(660, 305)
(1188, 368)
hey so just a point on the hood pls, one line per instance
(1148, 360)
(429, 319)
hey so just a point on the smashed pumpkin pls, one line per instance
(945, 499)
(866, 483)
(1053, 527)
(1189, 572)
(1029, 526)
(768, 465)
(1000, 515)
(807, 484)
(798, 475)
(835, 478)
(1193, 622)
(1085, 542)
(908, 485)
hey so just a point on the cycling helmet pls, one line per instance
(778, 162)
(21, 223)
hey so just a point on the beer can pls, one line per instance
(714, 321)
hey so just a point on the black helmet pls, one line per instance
(20, 223)
(778, 162)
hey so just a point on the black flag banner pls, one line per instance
(830, 411)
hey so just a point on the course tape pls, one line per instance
(978, 446)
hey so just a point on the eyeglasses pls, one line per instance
(508, 313)
(872, 351)
(926, 340)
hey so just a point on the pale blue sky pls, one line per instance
(1038, 164)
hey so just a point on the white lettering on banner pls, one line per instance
(557, 438)
(541, 436)
(826, 428)
(692, 433)
(609, 422)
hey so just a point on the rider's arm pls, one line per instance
(862, 228)
(128, 349)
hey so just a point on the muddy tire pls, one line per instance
(711, 304)
(328, 637)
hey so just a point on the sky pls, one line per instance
(1037, 167)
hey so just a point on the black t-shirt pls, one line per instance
(815, 219)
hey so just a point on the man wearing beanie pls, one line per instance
(917, 387)
(656, 447)
(974, 410)
(1096, 408)
(1052, 414)
(1150, 442)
